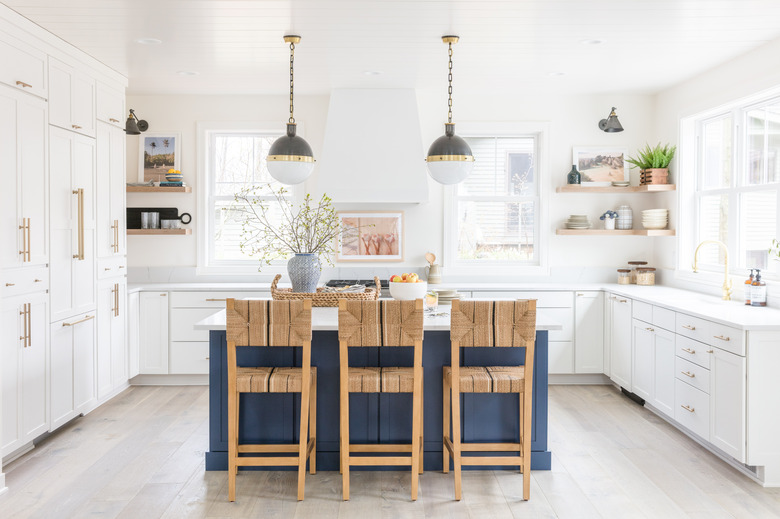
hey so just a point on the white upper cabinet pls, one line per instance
(23, 208)
(110, 105)
(71, 98)
(23, 67)
(110, 182)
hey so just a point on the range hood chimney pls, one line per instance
(372, 151)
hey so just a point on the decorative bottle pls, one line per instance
(574, 176)
(758, 292)
(748, 287)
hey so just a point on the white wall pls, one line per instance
(573, 121)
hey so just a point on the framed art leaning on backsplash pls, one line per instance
(157, 153)
(371, 236)
(601, 165)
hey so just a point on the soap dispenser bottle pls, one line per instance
(758, 292)
(748, 287)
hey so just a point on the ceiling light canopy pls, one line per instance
(611, 123)
(449, 159)
(290, 158)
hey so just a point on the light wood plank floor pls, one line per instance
(141, 455)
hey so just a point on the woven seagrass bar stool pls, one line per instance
(381, 323)
(271, 323)
(489, 324)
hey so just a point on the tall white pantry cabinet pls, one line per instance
(63, 284)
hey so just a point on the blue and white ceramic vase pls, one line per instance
(304, 271)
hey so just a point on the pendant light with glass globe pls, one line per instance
(290, 159)
(449, 159)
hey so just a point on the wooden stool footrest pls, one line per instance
(271, 461)
(490, 447)
(492, 460)
(380, 447)
(253, 448)
(370, 461)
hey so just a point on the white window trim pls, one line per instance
(687, 203)
(239, 268)
(541, 131)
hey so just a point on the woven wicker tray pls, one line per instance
(321, 298)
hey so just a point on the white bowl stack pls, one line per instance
(655, 218)
(578, 221)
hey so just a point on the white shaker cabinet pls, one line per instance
(111, 334)
(110, 104)
(110, 189)
(589, 332)
(72, 224)
(620, 341)
(71, 98)
(727, 402)
(153, 355)
(72, 386)
(642, 359)
(24, 67)
(23, 201)
(23, 342)
(662, 397)
(133, 334)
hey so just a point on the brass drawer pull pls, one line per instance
(38, 281)
(23, 84)
(722, 338)
(163, 295)
(75, 126)
(710, 351)
(87, 318)
(688, 374)
(10, 284)
(107, 268)
(688, 350)
(80, 193)
(689, 327)
(688, 408)
(650, 329)
(215, 300)
(112, 120)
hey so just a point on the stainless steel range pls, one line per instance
(346, 282)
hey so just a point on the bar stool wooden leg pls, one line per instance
(302, 438)
(313, 425)
(416, 420)
(422, 424)
(344, 422)
(526, 444)
(456, 454)
(232, 441)
(238, 420)
(445, 424)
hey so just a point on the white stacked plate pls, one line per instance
(578, 221)
(446, 296)
(621, 183)
(655, 218)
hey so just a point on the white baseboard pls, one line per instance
(18, 453)
(579, 379)
(170, 380)
(3, 488)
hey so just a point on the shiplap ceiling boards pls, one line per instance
(232, 46)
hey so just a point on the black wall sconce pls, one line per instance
(133, 126)
(611, 123)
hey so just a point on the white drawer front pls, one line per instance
(727, 338)
(23, 67)
(692, 374)
(182, 323)
(211, 299)
(664, 318)
(692, 327)
(693, 351)
(561, 355)
(23, 281)
(111, 267)
(642, 311)
(543, 299)
(692, 408)
(189, 358)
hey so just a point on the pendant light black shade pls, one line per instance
(611, 123)
(133, 126)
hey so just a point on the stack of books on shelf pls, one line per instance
(171, 184)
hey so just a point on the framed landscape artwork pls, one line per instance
(600, 166)
(158, 152)
(371, 236)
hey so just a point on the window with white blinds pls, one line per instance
(737, 187)
(235, 161)
(495, 211)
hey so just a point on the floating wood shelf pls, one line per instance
(166, 232)
(649, 188)
(605, 232)
(155, 189)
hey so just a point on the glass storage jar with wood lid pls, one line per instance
(624, 276)
(633, 265)
(645, 276)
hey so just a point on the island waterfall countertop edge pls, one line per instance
(326, 319)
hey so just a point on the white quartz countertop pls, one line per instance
(266, 287)
(327, 319)
(731, 313)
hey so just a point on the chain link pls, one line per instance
(449, 88)
(292, 82)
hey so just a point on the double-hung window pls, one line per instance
(234, 161)
(737, 185)
(494, 216)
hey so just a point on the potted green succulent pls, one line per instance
(306, 232)
(653, 163)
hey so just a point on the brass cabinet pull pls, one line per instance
(75, 126)
(107, 268)
(25, 312)
(688, 374)
(163, 295)
(622, 301)
(116, 299)
(722, 338)
(38, 281)
(10, 284)
(23, 84)
(580, 294)
(112, 120)
(25, 228)
(80, 193)
(115, 243)
(688, 350)
(650, 329)
(207, 358)
(710, 351)
(29, 326)
(688, 408)
(121, 266)
(689, 327)
(87, 318)
(215, 300)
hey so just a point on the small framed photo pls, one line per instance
(600, 166)
(157, 153)
(371, 236)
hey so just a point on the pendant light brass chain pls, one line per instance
(449, 89)
(292, 82)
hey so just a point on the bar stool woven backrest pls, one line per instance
(510, 324)
(268, 323)
(380, 323)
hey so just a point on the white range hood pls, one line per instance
(372, 151)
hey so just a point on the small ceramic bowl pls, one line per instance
(408, 291)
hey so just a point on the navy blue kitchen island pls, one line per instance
(273, 418)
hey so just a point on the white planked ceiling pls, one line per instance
(235, 46)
